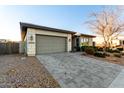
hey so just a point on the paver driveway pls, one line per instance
(75, 70)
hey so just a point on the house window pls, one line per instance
(87, 39)
(84, 41)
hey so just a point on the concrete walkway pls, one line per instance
(119, 81)
(74, 70)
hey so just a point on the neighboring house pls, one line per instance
(40, 39)
(116, 42)
(4, 40)
(119, 41)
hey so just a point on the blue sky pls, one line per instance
(63, 17)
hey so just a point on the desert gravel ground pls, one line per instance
(111, 59)
(19, 71)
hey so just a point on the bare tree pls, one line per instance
(107, 23)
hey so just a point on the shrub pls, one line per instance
(84, 47)
(122, 53)
(100, 49)
(120, 49)
(100, 54)
(117, 55)
(116, 51)
(96, 48)
(90, 50)
(84, 44)
(107, 54)
(112, 51)
(109, 50)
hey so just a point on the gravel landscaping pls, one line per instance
(111, 59)
(19, 71)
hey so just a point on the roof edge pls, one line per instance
(88, 35)
(24, 26)
(30, 25)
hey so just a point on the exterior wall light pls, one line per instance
(31, 38)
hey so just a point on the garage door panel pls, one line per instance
(50, 44)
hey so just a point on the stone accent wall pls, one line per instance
(69, 42)
(31, 42)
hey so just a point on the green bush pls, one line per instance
(96, 48)
(89, 50)
(109, 50)
(84, 47)
(100, 54)
(84, 44)
(117, 55)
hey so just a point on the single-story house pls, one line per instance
(119, 41)
(41, 39)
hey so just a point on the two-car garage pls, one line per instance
(43, 40)
(50, 44)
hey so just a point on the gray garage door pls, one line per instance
(50, 44)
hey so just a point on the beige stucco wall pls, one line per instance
(90, 41)
(31, 45)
